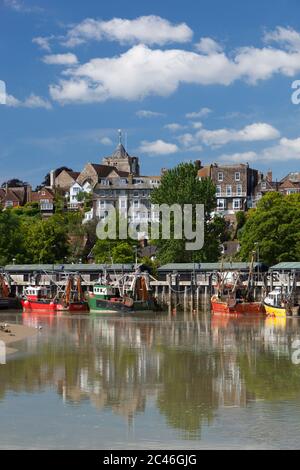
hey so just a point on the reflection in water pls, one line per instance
(190, 367)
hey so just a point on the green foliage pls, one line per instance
(181, 186)
(46, 241)
(240, 219)
(31, 209)
(273, 229)
(10, 238)
(118, 251)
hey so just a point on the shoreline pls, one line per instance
(17, 333)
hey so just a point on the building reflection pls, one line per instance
(189, 366)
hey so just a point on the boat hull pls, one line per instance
(243, 308)
(271, 311)
(108, 306)
(50, 306)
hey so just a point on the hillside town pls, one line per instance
(116, 181)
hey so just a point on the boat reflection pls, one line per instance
(189, 366)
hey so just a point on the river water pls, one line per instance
(151, 382)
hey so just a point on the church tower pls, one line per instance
(121, 160)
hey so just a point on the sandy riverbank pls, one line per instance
(15, 333)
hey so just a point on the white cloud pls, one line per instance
(106, 141)
(199, 114)
(33, 101)
(60, 59)
(197, 125)
(187, 139)
(208, 46)
(254, 132)
(141, 71)
(239, 157)
(145, 29)
(284, 150)
(143, 113)
(43, 42)
(174, 127)
(158, 147)
(286, 37)
(21, 7)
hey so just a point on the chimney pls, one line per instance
(29, 191)
(269, 176)
(52, 179)
(198, 164)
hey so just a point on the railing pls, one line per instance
(232, 194)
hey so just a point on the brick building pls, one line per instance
(235, 186)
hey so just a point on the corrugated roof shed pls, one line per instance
(68, 267)
(206, 267)
(286, 266)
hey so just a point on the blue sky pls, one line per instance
(208, 80)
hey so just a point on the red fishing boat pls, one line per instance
(39, 298)
(234, 295)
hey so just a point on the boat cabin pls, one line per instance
(36, 292)
(105, 292)
(274, 298)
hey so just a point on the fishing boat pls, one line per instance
(278, 304)
(40, 298)
(234, 295)
(7, 300)
(132, 292)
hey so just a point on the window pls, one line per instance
(237, 176)
(220, 176)
(236, 204)
(221, 204)
(239, 189)
(76, 190)
(228, 190)
(218, 190)
(136, 204)
(135, 194)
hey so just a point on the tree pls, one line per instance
(11, 238)
(273, 229)
(14, 183)
(181, 185)
(46, 241)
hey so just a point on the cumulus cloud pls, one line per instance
(106, 141)
(144, 113)
(60, 59)
(254, 132)
(286, 37)
(199, 114)
(145, 29)
(158, 147)
(142, 71)
(32, 101)
(174, 127)
(239, 157)
(43, 42)
(286, 149)
(208, 46)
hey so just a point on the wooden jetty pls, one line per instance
(183, 285)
